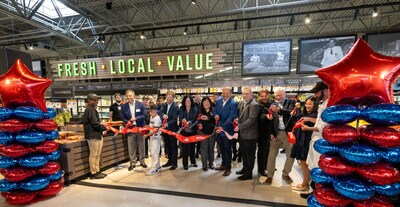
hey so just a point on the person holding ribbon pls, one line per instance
(206, 127)
(188, 122)
(303, 134)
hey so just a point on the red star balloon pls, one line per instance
(21, 87)
(362, 77)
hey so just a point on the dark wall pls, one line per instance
(8, 57)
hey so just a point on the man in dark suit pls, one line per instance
(283, 107)
(170, 112)
(135, 112)
(248, 132)
(225, 111)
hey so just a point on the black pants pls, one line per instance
(234, 149)
(146, 146)
(248, 148)
(167, 145)
(188, 150)
(262, 153)
(173, 149)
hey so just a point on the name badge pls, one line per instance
(137, 110)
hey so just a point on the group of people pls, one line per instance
(262, 128)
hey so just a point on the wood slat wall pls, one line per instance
(159, 70)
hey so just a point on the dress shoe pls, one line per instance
(97, 176)
(220, 168)
(226, 173)
(131, 167)
(218, 155)
(173, 167)
(283, 151)
(211, 166)
(239, 159)
(197, 155)
(166, 164)
(146, 156)
(263, 173)
(268, 181)
(240, 172)
(205, 169)
(180, 156)
(143, 165)
(287, 178)
(305, 195)
(234, 157)
(245, 177)
(102, 174)
(194, 165)
(185, 167)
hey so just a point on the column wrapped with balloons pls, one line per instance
(28, 153)
(359, 162)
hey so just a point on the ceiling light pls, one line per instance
(249, 24)
(186, 31)
(102, 39)
(198, 29)
(307, 20)
(31, 47)
(356, 13)
(153, 33)
(235, 26)
(193, 1)
(295, 48)
(374, 12)
(291, 20)
(142, 36)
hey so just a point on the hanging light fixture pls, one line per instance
(185, 31)
(307, 20)
(374, 12)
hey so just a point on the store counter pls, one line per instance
(75, 156)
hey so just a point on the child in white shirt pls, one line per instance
(155, 140)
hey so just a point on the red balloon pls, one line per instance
(319, 185)
(52, 189)
(45, 125)
(18, 174)
(19, 197)
(47, 147)
(376, 201)
(362, 76)
(49, 168)
(379, 173)
(21, 87)
(381, 136)
(329, 197)
(14, 125)
(335, 166)
(15, 150)
(340, 134)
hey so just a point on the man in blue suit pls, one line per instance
(226, 110)
(170, 112)
(135, 112)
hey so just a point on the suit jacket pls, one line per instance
(140, 113)
(190, 117)
(226, 114)
(287, 107)
(248, 118)
(265, 126)
(173, 113)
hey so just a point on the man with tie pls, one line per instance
(283, 107)
(225, 111)
(169, 111)
(332, 54)
(248, 132)
(135, 112)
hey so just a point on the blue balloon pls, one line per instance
(340, 114)
(318, 176)
(361, 154)
(6, 138)
(31, 137)
(6, 162)
(388, 190)
(354, 189)
(6, 185)
(28, 112)
(52, 135)
(54, 155)
(391, 155)
(51, 113)
(325, 148)
(34, 161)
(34, 184)
(56, 176)
(312, 202)
(6, 113)
(383, 114)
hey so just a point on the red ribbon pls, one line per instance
(291, 135)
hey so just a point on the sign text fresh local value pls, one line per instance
(175, 63)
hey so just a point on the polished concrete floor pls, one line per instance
(178, 188)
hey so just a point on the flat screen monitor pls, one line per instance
(385, 44)
(316, 53)
(266, 57)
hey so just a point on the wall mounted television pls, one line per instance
(266, 57)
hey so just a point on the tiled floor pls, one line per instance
(178, 188)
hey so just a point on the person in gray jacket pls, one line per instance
(93, 134)
(248, 132)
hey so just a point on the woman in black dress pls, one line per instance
(206, 126)
(303, 137)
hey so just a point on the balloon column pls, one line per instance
(28, 153)
(358, 164)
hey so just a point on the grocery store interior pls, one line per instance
(190, 47)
